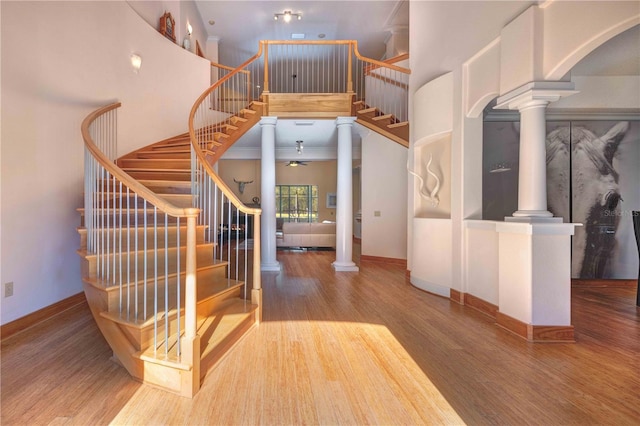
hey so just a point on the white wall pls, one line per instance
(384, 180)
(433, 265)
(481, 65)
(74, 57)
(481, 254)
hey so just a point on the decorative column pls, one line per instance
(534, 255)
(268, 195)
(532, 100)
(344, 208)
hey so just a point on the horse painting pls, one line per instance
(579, 160)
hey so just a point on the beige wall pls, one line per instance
(321, 173)
(241, 170)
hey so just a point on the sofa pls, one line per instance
(307, 235)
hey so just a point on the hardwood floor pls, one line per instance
(347, 348)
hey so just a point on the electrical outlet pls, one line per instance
(376, 213)
(8, 289)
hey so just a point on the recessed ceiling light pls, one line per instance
(297, 36)
(212, 22)
(322, 35)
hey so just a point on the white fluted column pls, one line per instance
(344, 207)
(531, 101)
(268, 195)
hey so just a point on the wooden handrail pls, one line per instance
(379, 63)
(122, 176)
(397, 58)
(224, 67)
(388, 80)
(326, 42)
(200, 154)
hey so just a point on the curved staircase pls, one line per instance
(135, 277)
(170, 255)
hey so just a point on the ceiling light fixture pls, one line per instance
(299, 147)
(287, 15)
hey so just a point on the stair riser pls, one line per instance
(182, 176)
(144, 337)
(117, 200)
(108, 218)
(204, 277)
(204, 257)
(168, 187)
(160, 154)
(171, 233)
(154, 164)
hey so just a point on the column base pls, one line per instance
(345, 267)
(270, 267)
(532, 213)
(532, 219)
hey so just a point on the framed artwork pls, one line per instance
(592, 179)
(168, 26)
(332, 202)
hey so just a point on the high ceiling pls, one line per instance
(241, 24)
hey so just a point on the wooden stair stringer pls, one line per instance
(384, 132)
(250, 120)
(123, 349)
(215, 346)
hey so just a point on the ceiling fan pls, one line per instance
(294, 163)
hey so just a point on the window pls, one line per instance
(297, 203)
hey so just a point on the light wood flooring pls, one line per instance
(346, 348)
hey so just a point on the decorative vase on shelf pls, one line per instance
(635, 215)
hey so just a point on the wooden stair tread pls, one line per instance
(156, 182)
(233, 315)
(397, 125)
(152, 169)
(108, 287)
(206, 291)
(213, 330)
(382, 117)
(366, 110)
(89, 255)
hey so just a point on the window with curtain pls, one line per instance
(297, 203)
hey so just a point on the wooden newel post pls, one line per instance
(349, 65)
(190, 342)
(256, 291)
(266, 69)
(636, 227)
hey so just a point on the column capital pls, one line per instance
(340, 121)
(268, 121)
(535, 94)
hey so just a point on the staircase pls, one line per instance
(170, 270)
(136, 273)
(386, 124)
